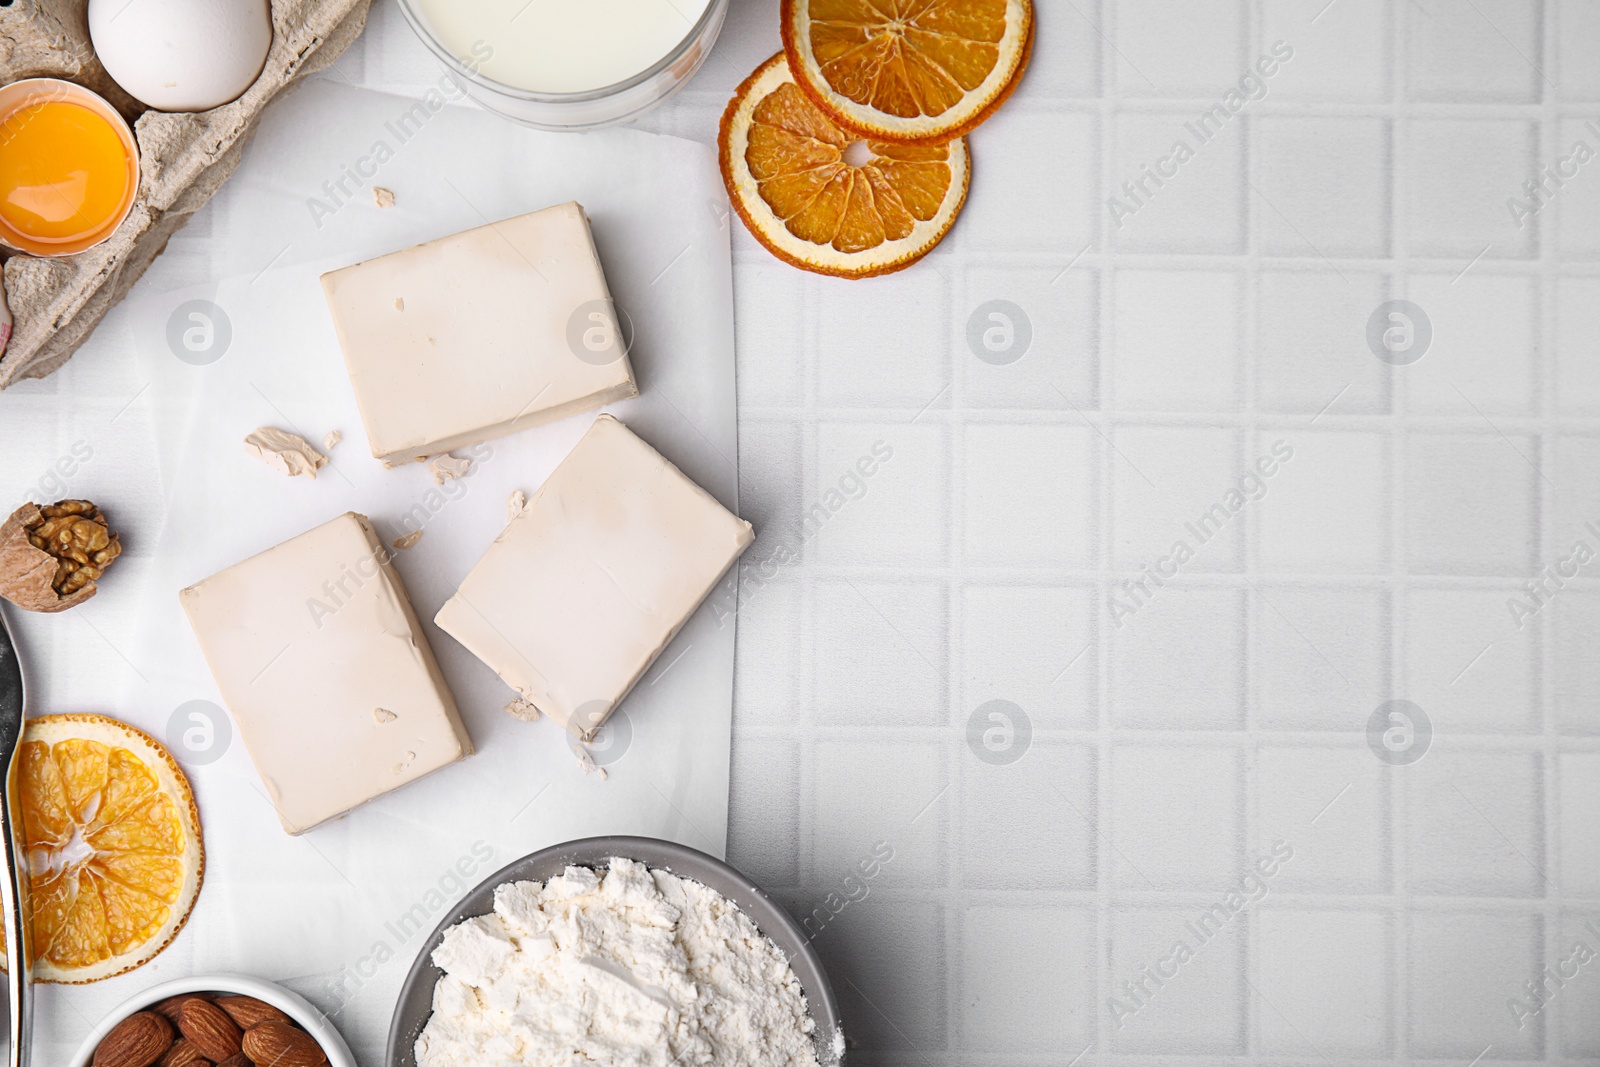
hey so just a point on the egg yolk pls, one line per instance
(63, 171)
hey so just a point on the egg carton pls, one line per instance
(183, 159)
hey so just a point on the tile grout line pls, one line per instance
(1446, 424)
(1377, 904)
(1105, 356)
(1330, 741)
(1065, 1058)
(1321, 741)
(1399, 601)
(1308, 108)
(810, 443)
(1309, 263)
(1245, 439)
(953, 593)
(1549, 444)
(1023, 574)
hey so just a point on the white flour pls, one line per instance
(639, 968)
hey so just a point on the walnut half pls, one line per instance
(51, 556)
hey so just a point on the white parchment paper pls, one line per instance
(340, 913)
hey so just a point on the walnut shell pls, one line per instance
(51, 576)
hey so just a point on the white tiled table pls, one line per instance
(1225, 314)
(1160, 744)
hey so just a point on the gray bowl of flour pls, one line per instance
(466, 954)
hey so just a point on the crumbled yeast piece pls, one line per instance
(522, 709)
(406, 541)
(447, 466)
(382, 197)
(285, 452)
(587, 764)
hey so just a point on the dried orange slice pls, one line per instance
(113, 842)
(912, 71)
(824, 200)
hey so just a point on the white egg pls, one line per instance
(182, 55)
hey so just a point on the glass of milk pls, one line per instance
(568, 64)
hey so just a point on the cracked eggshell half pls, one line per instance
(182, 55)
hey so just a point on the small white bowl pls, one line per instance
(295, 1006)
(591, 109)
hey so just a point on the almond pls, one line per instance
(137, 1041)
(248, 1011)
(209, 1029)
(280, 1044)
(183, 1054)
(241, 1060)
(172, 1005)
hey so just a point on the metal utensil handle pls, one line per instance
(19, 968)
(13, 888)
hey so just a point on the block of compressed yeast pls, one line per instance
(590, 581)
(479, 334)
(324, 665)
